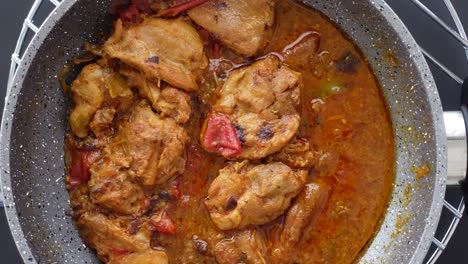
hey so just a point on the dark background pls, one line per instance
(427, 33)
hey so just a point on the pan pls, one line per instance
(35, 122)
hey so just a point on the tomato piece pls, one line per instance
(163, 223)
(177, 9)
(79, 170)
(220, 136)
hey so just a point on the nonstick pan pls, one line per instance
(35, 122)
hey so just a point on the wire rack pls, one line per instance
(453, 212)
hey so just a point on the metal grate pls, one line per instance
(29, 29)
(454, 212)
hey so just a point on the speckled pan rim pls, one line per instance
(387, 13)
(436, 111)
(5, 130)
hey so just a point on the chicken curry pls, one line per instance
(227, 131)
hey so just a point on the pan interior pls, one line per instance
(35, 121)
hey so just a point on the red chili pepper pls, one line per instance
(79, 170)
(177, 9)
(163, 224)
(221, 137)
(119, 252)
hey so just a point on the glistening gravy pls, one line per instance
(345, 120)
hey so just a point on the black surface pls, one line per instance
(464, 109)
(431, 37)
(12, 15)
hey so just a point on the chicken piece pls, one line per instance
(154, 145)
(94, 87)
(244, 26)
(260, 101)
(102, 121)
(108, 237)
(88, 97)
(246, 247)
(297, 154)
(147, 149)
(175, 104)
(146, 88)
(168, 50)
(245, 194)
(146, 257)
(303, 53)
(114, 244)
(111, 188)
(300, 217)
(169, 101)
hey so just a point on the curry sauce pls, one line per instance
(343, 118)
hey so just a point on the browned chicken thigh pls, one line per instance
(245, 247)
(102, 121)
(260, 101)
(244, 194)
(112, 188)
(297, 153)
(168, 101)
(146, 257)
(161, 49)
(115, 244)
(95, 87)
(300, 217)
(146, 150)
(154, 146)
(242, 25)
